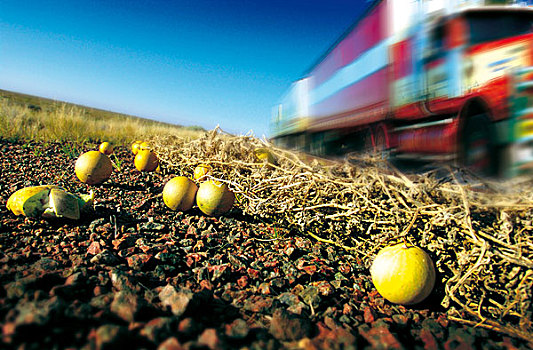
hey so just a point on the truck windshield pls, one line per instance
(487, 26)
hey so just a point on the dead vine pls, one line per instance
(478, 233)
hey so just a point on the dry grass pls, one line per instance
(478, 233)
(66, 122)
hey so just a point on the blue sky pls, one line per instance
(187, 62)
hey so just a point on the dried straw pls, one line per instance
(478, 233)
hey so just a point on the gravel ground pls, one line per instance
(133, 274)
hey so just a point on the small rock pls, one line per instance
(176, 300)
(205, 284)
(288, 299)
(310, 296)
(170, 344)
(158, 329)
(76, 278)
(434, 327)
(242, 282)
(428, 339)
(238, 329)
(337, 338)
(443, 321)
(278, 283)
(168, 258)
(192, 231)
(298, 309)
(264, 288)
(39, 312)
(289, 250)
(210, 338)
(126, 305)
(138, 261)
(257, 303)
(106, 258)
(123, 281)
(347, 309)
(290, 327)
(101, 301)
(379, 337)
(18, 288)
(94, 248)
(369, 315)
(459, 339)
(188, 328)
(111, 336)
(324, 288)
(45, 264)
(336, 283)
(8, 330)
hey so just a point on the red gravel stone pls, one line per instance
(428, 339)
(380, 338)
(289, 327)
(210, 338)
(94, 248)
(176, 300)
(369, 315)
(170, 344)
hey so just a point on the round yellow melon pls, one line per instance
(106, 148)
(179, 193)
(201, 171)
(93, 167)
(214, 198)
(403, 274)
(265, 155)
(146, 160)
(136, 146)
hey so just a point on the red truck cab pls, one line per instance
(475, 65)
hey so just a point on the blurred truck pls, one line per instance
(424, 79)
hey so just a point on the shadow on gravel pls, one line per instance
(210, 311)
(433, 301)
(123, 186)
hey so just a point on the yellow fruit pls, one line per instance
(135, 146)
(201, 171)
(106, 148)
(179, 193)
(144, 145)
(146, 160)
(48, 201)
(23, 201)
(93, 167)
(403, 274)
(265, 155)
(214, 198)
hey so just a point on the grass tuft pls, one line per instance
(117, 162)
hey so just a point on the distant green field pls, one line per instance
(25, 117)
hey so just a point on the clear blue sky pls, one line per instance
(187, 62)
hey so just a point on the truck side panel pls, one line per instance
(353, 78)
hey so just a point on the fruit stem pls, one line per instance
(404, 238)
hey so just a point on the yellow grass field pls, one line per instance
(27, 117)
